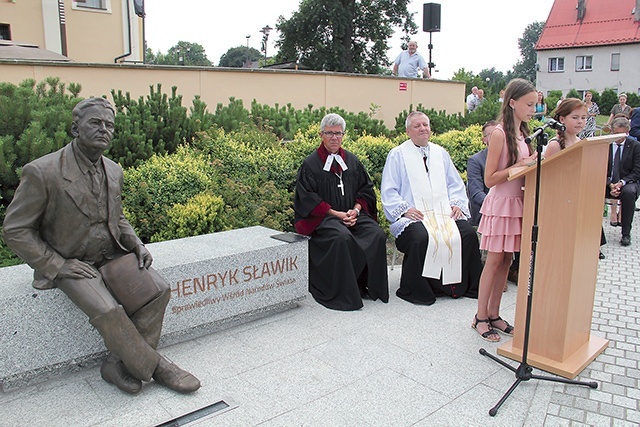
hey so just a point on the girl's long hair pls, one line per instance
(564, 109)
(515, 90)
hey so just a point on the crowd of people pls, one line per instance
(434, 218)
(440, 225)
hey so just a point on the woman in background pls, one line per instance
(541, 108)
(620, 108)
(592, 111)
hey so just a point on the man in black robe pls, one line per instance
(335, 204)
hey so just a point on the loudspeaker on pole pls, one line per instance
(431, 17)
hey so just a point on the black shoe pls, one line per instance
(625, 241)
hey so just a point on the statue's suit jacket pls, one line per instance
(47, 222)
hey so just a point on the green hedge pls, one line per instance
(153, 188)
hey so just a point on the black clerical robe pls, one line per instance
(345, 263)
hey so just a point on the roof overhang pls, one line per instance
(28, 52)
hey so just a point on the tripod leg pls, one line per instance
(495, 359)
(493, 411)
(591, 384)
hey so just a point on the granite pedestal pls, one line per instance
(217, 280)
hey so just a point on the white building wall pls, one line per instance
(51, 23)
(601, 77)
(131, 33)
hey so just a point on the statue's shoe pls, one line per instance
(114, 372)
(170, 375)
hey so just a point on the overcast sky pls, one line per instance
(475, 34)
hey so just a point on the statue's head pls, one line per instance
(93, 126)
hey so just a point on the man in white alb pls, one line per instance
(425, 201)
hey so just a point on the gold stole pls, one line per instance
(444, 252)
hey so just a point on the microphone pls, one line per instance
(553, 124)
(549, 123)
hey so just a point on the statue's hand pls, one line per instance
(76, 269)
(144, 256)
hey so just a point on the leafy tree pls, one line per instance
(633, 99)
(573, 93)
(489, 80)
(237, 56)
(150, 57)
(493, 82)
(608, 99)
(183, 53)
(552, 98)
(488, 110)
(526, 67)
(342, 35)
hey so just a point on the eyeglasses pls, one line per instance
(332, 134)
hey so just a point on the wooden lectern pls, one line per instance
(572, 190)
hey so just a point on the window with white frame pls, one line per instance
(556, 65)
(615, 62)
(101, 5)
(584, 63)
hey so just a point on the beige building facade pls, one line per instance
(91, 31)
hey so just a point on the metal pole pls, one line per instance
(248, 55)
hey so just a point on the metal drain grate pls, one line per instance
(198, 414)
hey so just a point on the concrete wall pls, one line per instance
(354, 93)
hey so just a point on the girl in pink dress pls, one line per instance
(501, 223)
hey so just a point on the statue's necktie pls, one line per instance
(96, 182)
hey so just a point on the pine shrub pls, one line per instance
(34, 120)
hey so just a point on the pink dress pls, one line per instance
(501, 222)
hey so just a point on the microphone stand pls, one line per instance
(524, 371)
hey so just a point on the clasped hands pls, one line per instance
(76, 269)
(615, 189)
(349, 218)
(415, 214)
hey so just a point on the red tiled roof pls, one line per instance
(605, 22)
